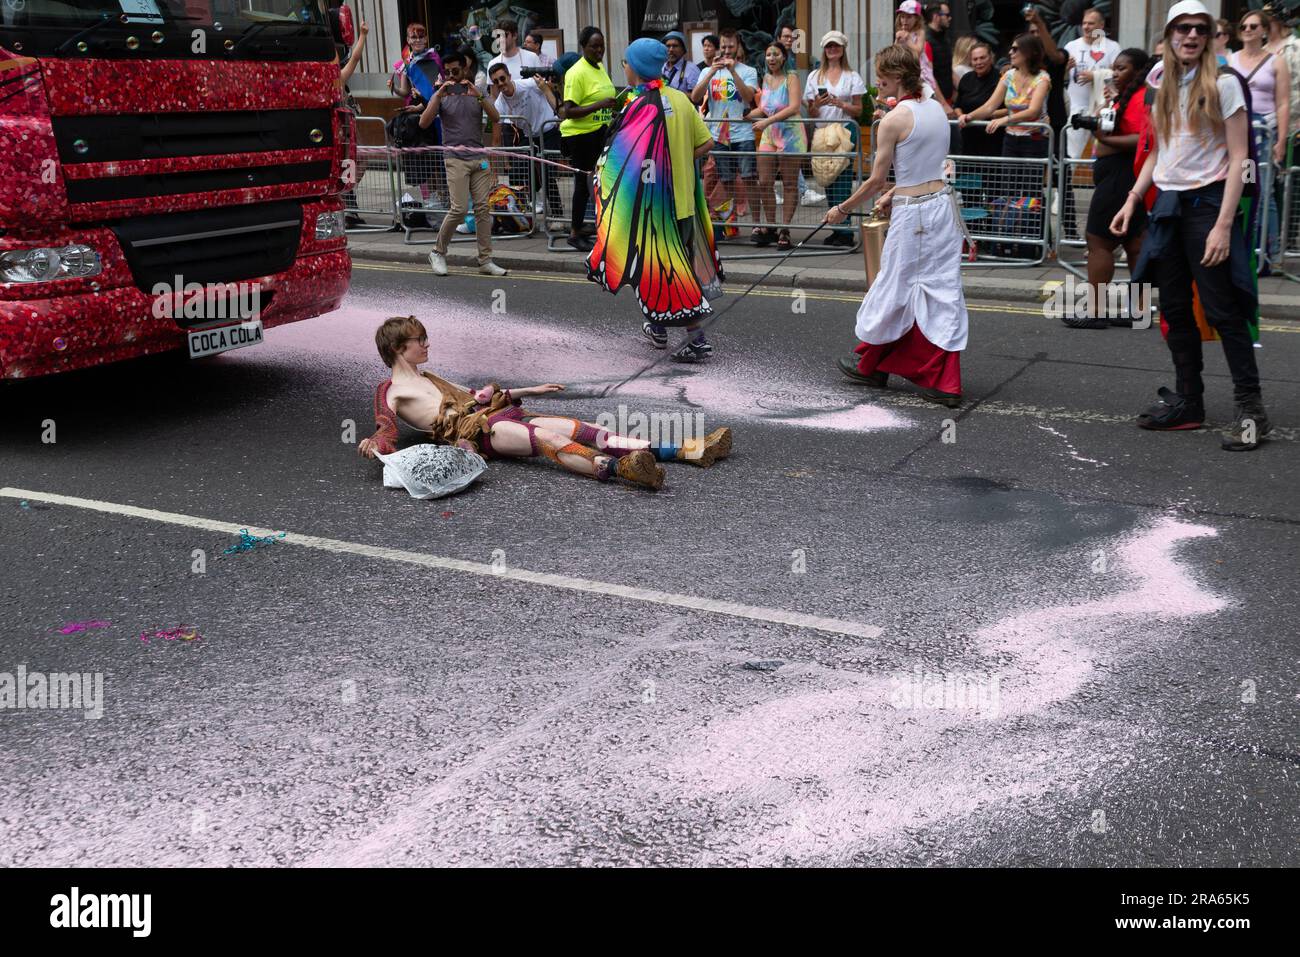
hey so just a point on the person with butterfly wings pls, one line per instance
(652, 224)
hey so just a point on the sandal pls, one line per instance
(783, 240)
(761, 236)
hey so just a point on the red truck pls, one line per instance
(159, 158)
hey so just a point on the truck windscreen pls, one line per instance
(168, 29)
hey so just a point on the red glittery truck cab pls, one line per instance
(164, 142)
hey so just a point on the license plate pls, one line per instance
(210, 341)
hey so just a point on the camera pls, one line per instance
(546, 72)
(1103, 122)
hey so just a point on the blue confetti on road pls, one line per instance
(248, 542)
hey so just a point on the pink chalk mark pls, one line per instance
(878, 770)
(73, 627)
(463, 339)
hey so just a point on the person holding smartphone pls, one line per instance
(462, 108)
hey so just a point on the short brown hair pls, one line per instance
(899, 61)
(390, 337)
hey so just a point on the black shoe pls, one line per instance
(832, 240)
(656, 335)
(762, 237)
(582, 244)
(1249, 424)
(1088, 322)
(1173, 412)
(877, 380)
(690, 352)
(702, 345)
(949, 399)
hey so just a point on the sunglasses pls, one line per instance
(1199, 29)
(1220, 33)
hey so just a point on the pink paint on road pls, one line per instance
(850, 769)
(467, 342)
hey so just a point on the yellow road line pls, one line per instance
(768, 293)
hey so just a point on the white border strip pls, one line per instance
(754, 612)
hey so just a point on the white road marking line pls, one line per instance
(609, 589)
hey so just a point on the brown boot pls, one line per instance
(704, 452)
(641, 469)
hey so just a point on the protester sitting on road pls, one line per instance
(1195, 231)
(1113, 176)
(588, 104)
(834, 92)
(781, 146)
(492, 422)
(462, 107)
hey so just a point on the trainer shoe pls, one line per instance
(439, 264)
(657, 336)
(490, 268)
(1173, 412)
(690, 352)
(702, 345)
(641, 469)
(1249, 424)
(704, 452)
(877, 380)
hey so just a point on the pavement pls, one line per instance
(746, 264)
(1022, 632)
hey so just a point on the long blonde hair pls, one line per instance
(961, 50)
(1203, 109)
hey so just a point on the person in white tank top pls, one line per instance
(913, 321)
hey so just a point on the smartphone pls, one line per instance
(821, 91)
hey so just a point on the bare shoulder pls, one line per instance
(897, 121)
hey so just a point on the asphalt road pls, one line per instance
(1053, 640)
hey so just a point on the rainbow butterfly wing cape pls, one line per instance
(638, 243)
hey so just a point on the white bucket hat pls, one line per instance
(1188, 8)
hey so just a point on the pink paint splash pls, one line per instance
(184, 633)
(524, 350)
(73, 627)
(878, 770)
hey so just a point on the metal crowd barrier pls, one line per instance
(426, 199)
(1006, 201)
(1266, 176)
(373, 196)
(1290, 227)
(558, 186)
(1074, 190)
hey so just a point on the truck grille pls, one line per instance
(101, 139)
(212, 245)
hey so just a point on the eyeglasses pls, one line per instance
(1220, 33)
(422, 340)
(1199, 29)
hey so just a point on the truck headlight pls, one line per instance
(330, 226)
(46, 263)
